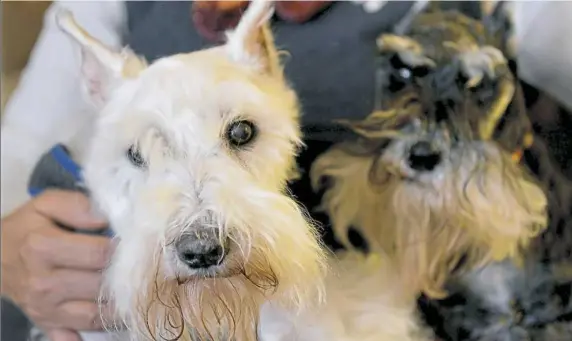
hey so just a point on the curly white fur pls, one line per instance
(176, 112)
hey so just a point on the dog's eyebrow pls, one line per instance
(410, 51)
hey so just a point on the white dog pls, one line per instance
(189, 161)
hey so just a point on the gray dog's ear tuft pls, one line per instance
(102, 69)
(252, 43)
(498, 19)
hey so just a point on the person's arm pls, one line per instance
(544, 48)
(48, 105)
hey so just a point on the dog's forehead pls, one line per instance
(201, 86)
(197, 94)
(200, 77)
(436, 32)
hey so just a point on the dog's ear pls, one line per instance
(251, 42)
(498, 22)
(102, 69)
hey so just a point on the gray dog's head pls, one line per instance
(434, 176)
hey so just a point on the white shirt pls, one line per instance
(48, 106)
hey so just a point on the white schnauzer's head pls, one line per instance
(190, 161)
(432, 177)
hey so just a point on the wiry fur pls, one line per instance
(175, 113)
(502, 302)
(432, 223)
(263, 222)
(457, 228)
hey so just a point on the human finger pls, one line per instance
(62, 335)
(76, 285)
(80, 315)
(62, 249)
(68, 208)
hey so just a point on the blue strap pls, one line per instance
(35, 191)
(63, 158)
(60, 155)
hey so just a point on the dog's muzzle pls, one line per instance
(423, 156)
(415, 158)
(201, 249)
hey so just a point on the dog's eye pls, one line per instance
(405, 73)
(135, 157)
(240, 133)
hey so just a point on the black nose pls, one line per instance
(200, 251)
(423, 157)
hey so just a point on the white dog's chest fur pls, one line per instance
(363, 303)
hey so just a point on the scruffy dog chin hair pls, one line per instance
(437, 201)
(189, 161)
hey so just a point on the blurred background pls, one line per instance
(21, 23)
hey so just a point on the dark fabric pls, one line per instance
(553, 123)
(14, 325)
(332, 57)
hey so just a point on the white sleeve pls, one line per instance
(544, 48)
(48, 105)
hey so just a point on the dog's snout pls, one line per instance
(423, 156)
(200, 252)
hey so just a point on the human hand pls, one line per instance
(52, 274)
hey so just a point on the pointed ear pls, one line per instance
(252, 43)
(102, 69)
(498, 21)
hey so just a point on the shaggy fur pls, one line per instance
(504, 303)
(367, 299)
(161, 166)
(439, 221)
(466, 223)
(432, 222)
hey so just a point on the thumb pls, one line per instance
(62, 335)
(71, 209)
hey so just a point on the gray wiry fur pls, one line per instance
(501, 302)
(416, 214)
(532, 303)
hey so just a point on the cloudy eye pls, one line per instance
(135, 157)
(240, 133)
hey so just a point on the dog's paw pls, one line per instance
(485, 61)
